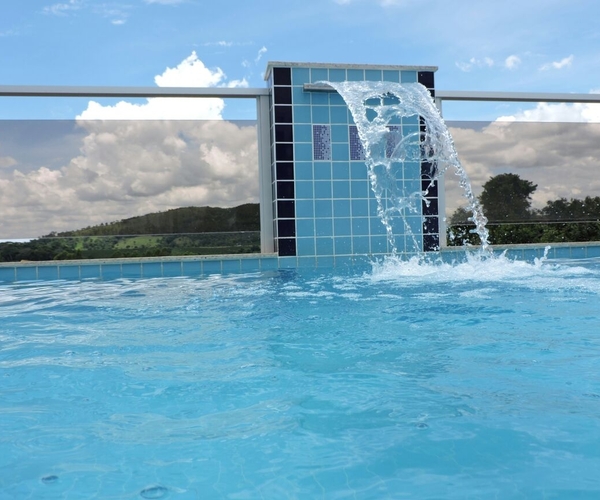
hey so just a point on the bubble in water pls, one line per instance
(154, 492)
(50, 479)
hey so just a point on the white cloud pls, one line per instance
(261, 52)
(165, 2)
(512, 62)
(559, 112)
(486, 62)
(563, 63)
(59, 9)
(7, 162)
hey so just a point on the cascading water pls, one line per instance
(374, 106)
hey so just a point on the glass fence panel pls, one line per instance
(537, 182)
(114, 188)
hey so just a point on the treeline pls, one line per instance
(506, 202)
(182, 231)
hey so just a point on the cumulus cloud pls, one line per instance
(512, 62)
(563, 63)
(7, 162)
(486, 62)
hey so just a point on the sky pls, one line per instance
(106, 171)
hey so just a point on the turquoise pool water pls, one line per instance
(474, 380)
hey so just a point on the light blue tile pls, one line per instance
(342, 246)
(172, 269)
(211, 267)
(355, 75)
(132, 270)
(70, 272)
(304, 189)
(324, 227)
(324, 246)
(320, 114)
(593, 251)
(48, 272)
(578, 252)
(302, 114)
(190, 268)
(300, 76)
(341, 189)
(288, 262)
(377, 227)
(339, 133)
(319, 99)
(360, 226)
(299, 96)
(90, 271)
(307, 262)
(341, 208)
(305, 227)
(322, 189)
(7, 274)
(343, 261)
(319, 75)
(342, 227)
(408, 77)
(410, 124)
(360, 245)
(109, 271)
(359, 189)
(341, 170)
(27, 273)
(152, 269)
(360, 208)
(391, 75)
(337, 75)
(336, 99)
(303, 171)
(305, 208)
(305, 246)
(373, 75)
(303, 152)
(323, 208)
(232, 266)
(269, 263)
(250, 265)
(339, 114)
(302, 133)
(340, 152)
(325, 262)
(358, 171)
(379, 245)
(322, 170)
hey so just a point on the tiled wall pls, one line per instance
(323, 204)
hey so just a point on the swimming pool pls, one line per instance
(408, 380)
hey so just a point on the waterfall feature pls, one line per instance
(378, 109)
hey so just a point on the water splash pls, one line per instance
(375, 107)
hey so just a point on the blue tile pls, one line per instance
(307, 262)
(391, 75)
(132, 270)
(340, 152)
(324, 227)
(379, 244)
(342, 246)
(305, 227)
(211, 267)
(343, 261)
(302, 133)
(355, 75)
(336, 99)
(304, 189)
(319, 75)
(341, 189)
(325, 262)
(303, 152)
(302, 114)
(358, 171)
(268, 263)
(359, 189)
(341, 170)
(172, 269)
(250, 265)
(341, 208)
(339, 114)
(408, 77)
(69, 272)
(373, 75)
(593, 251)
(288, 262)
(320, 114)
(299, 96)
(305, 208)
(90, 271)
(305, 246)
(300, 76)
(377, 227)
(151, 269)
(27, 273)
(303, 171)
(48, 272)
(7, 274)
(360, 208)
(322, 189)
(109, 271)
(232, 266)
(578, 252)
(360, 245)
(342, 227)
(360, 226)
(323, 208)
(339, 133)
(337, 75)
(322, 170)
(191, 268)
(324, 246)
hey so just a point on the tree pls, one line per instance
(507, 198)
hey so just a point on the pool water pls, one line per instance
(408, 380)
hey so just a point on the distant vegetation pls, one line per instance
(182, 231)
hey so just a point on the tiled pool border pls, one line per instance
(190, 266)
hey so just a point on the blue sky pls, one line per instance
(522, 45)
